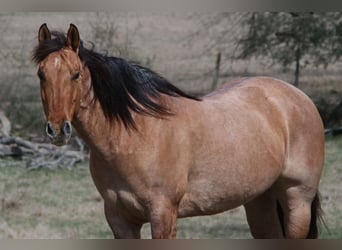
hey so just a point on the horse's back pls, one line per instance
(261, 89)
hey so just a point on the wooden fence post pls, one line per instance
(217, 71)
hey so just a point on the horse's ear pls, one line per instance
(43, 33)
(73, 38)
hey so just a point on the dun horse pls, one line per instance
(157, 154)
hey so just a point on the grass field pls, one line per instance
(65, 204)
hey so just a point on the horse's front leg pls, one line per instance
(120, 226)
(163, 218)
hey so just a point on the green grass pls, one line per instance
(65, 204)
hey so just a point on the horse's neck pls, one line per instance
(91, 123)
(88, 121)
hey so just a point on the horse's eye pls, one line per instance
(76, 76)
(41, 75)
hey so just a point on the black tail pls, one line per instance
(281, 217)
(316, 217)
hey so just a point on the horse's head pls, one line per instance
(60, 75)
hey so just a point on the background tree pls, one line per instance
(298, 38)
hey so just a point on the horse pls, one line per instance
(158, 154)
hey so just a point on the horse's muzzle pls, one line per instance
(59, 136)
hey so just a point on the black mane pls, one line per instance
(119, 85)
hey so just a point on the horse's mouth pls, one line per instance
(60, 140)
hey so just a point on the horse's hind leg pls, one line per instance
(296, 204)
(297, 186)
(262, 216)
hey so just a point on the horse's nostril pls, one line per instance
(49, 130)
(66, 128)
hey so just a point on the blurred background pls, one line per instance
(47, 192)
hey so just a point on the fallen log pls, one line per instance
(58, 159)
(41, 155)
(19, 141)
